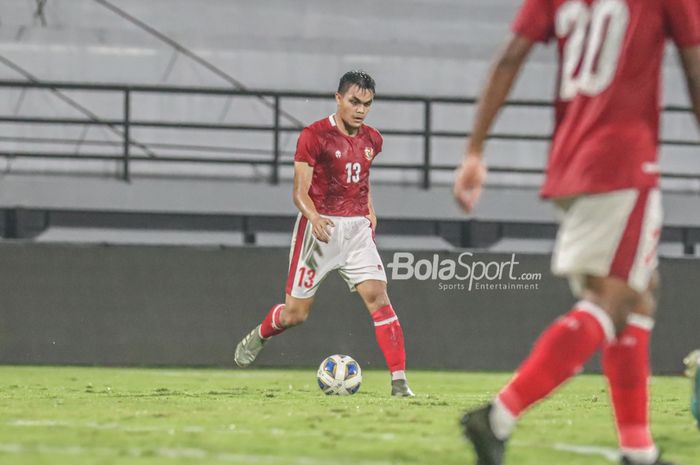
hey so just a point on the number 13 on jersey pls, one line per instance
(353, 171)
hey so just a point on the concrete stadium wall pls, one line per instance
(139, 305)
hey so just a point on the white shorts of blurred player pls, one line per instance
(610, 234)
(351, 250)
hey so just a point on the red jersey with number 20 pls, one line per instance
(340, 184)
(608, 96)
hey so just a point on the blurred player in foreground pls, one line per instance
(603, 175)
(335, 227)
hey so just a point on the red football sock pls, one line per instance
(559, 354)
(271, 325)
(390, 339)
(626, 365)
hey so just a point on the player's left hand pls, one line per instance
(469, 180)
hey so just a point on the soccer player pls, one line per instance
(335, 227)
(602, 174)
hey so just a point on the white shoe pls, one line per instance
(248, 349)
(400, 388)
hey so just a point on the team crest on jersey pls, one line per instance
(338, 154)
(369, 153)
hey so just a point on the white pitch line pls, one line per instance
(233, 374)
(177, 454)
(112, 426)
(224, 429)
(37, 423)
(605, 452)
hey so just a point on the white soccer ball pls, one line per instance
(339, 375)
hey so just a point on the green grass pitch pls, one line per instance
(100, 416)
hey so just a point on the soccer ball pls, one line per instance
(339, 375)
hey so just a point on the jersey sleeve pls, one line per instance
(378, 143)
(535, 21)
(683, 21)
(307, 147)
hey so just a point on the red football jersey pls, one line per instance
(340, 185)
(608, 93)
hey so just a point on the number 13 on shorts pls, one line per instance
(306, 277)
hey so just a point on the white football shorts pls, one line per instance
(351, 250)
(610, 234)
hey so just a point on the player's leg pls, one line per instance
(559, 354)
(597, 245)
(626, 365)
(363, 271)
(309, 263)
(388, 332)
(626, 360)
(280, 317)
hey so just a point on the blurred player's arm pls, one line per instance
(690, 58)
(498, 86)
(470, 176)
(303, 174)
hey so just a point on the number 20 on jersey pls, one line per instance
(594, 36)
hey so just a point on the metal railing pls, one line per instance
(123, 127)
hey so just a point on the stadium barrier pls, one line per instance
(126, 148)
(177, 306)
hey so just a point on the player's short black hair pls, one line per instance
(355, 78)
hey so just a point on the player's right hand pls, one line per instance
(320, 229)
(469, 180)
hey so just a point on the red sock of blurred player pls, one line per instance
(626, 365)
(271, 325)
(390, 338)
(560, 353)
